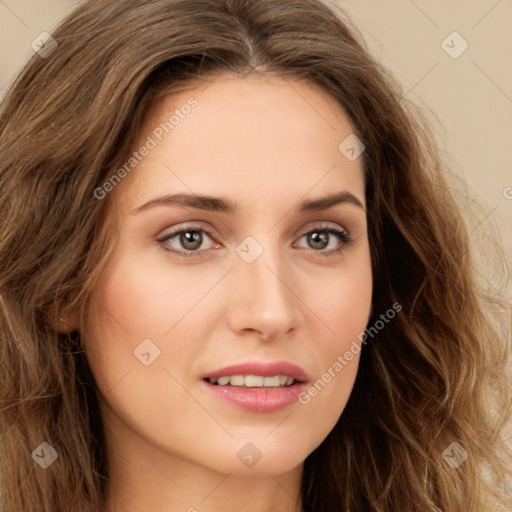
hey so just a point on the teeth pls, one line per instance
(236, 380)
(254, 381)
(272, 382)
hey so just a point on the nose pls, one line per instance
(262, 300)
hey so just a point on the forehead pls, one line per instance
(255, 137)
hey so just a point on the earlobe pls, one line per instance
(66, 323)
(67, 326)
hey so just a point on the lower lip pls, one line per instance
(258, 399)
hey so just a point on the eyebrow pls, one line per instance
(222, 205)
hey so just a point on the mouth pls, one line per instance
(257, 387)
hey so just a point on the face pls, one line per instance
(264, 276)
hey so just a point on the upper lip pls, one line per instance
(269, 369)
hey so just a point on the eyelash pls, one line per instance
(342, 235)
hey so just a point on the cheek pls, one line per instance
(341, 301)
(135, 305)
(344, 305)
(139, 299)
(144, 297)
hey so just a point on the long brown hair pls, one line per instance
(435, 376)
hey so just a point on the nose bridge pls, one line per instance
(263, 269)
(263, 300)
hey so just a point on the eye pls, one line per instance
(321, 237)
(190, 239)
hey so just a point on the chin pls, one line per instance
(259, 457)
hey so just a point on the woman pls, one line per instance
(233, 275)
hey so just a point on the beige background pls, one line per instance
(471, 95)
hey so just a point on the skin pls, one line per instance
(265, 143)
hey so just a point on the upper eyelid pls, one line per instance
(191, 227)
(309, 226)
